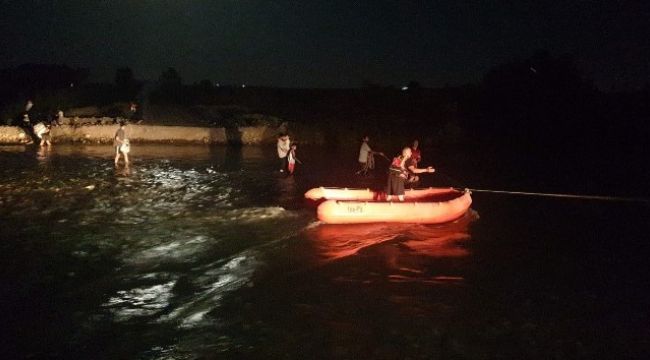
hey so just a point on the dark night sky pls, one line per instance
(327, 43)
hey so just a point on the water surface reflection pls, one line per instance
(333, 242)
(206, 252)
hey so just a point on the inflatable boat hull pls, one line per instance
(329, 193)
(424, 211)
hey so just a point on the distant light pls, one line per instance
(533, 70)
(217, 84)
(404, 88)
(243, 85)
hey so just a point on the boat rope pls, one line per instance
(569, 196)
(555, 195)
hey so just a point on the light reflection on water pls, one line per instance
(337, 241)
(180, 228)
(205, 252)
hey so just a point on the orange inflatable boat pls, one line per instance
(443, 206)
(331, 193)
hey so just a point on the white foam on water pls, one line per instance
(165, 353)
(257, 214)
(215, 284)
(193, 320)
(234, 263)
(138, 302)
(160, 276)
(174, 251)
(312, 225)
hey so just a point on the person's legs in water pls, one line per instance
(283, 163)
(363, 168)
(117, 154)
(366, 167)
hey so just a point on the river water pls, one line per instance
(197, 252)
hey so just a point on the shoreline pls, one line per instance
(103, 134)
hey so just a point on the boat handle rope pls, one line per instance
(555, 195)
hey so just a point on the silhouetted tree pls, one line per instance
(170, 79)
(30, 79)
(49, 86)
(530, 100)
(206, 85)
(124, 78)
(126, 85)
(170, 88)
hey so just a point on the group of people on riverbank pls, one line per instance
(402, 169)
(41, 129)
(38, 126)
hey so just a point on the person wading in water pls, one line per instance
(366, 157)
(122, 145)
(283, 147)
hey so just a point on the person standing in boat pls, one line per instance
(283, 146)
(398, 173)
(415, 159)
(121, 143)
(415, 151)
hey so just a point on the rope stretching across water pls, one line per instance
(555, 195)
(569, 196)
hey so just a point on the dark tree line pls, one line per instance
(58, 87)
(529, 102)
(544, 102)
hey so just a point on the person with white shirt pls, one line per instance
(366, 159)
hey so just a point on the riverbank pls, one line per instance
(102, 134)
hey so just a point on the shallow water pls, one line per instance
(206, 252)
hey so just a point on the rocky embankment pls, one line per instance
(249, 135)
(13, 135)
